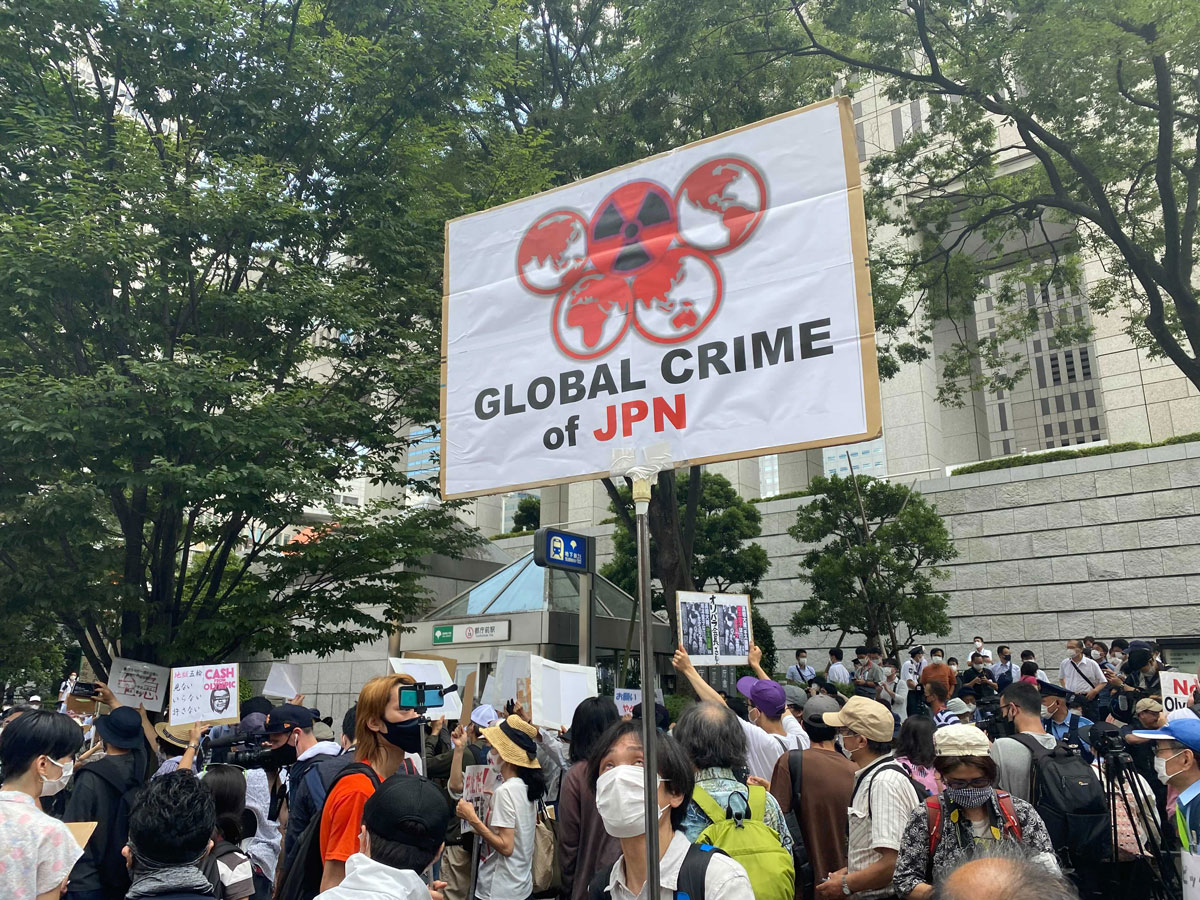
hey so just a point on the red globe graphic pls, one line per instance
(553, 252)
(591, 317)
(631, 228)
(720, 204)
(677, 297)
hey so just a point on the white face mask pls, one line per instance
(620, 800)
(937, 659)
(971, 708)
(1045, 711)
(1096, 654)
(1116, 655)
(51, 786)
(978, 667)
(802, 661)
(1160, 768)
(978, 644)
(954, 668)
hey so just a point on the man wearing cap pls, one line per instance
(766, 736)
(289, 731)
(910, 676)
(880, 803)
(1061, 723)
(404, 823)
(1177, 764)
(101, 874)
(820, 801)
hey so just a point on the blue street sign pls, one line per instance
(563, 550)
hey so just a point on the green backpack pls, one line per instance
(750, 841)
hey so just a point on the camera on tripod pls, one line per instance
(990, 722)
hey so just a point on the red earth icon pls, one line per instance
(592, 316)
(554, 252)
(631, 228)
(676, 297)
(720, 203)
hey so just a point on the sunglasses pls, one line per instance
(959, 784)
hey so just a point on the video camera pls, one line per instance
(990, 721)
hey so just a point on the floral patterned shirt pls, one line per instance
(39, 850)
(958, 842)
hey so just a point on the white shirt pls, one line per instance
(838, 673)
(892, 799)
(724, 879)
(910, 670)
(797, 672)
(509, 877)
(764, 750)
(794, 728)
(369, 880)
(39, 851)
(1013, 670)
(1075, 682)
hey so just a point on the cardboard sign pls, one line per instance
(205, 694)
(509, 680)
(1177, 690)
(467, 695)
(430, 671)
(715, 628)
(556, 689)
(675, 301)
(81, 831)
(449, 662)
(479, 783)
(282, 681)
(136, 683)
(81, 705)
(1191, 875)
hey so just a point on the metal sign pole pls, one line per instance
(641, 500)
(585, 618)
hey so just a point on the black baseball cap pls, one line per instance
(405, 800)
(286, 717)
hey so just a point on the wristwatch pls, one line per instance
(194, 746)
(845, 887)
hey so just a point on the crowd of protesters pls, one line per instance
(867, 779)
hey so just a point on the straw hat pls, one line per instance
(176, 735)
(515, 740)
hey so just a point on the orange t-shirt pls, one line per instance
(341, 819)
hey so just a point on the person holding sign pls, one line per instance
(37, 753)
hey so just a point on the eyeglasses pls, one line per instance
(959, 783)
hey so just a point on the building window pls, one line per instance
(1007, 446)
(1055, 375)
(1085, 363)
(1060, 404)
(1049, 429)
(1094, 424)
(861, 140)
(1041, 372)
(1003, 417)
(1070, 358)
(1045, 406)
(1074, 400)
(897, 127)
(1091, 398)
(1079, 426)
(914, 108)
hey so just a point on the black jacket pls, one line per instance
(94, 799)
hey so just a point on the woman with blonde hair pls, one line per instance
(385, 733)
(506, 862)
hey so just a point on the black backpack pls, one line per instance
(805, 879)
(1071, 801)
(110, 864)
(302, 878)
(690, 885)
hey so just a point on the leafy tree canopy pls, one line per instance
(528, 516)
(220, 261)
(871, 562)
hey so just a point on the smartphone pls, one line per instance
(84, 689)
(412, 698)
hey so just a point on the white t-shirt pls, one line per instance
(764, 750)
(1077, 681)
(509, 877)
(838, 673)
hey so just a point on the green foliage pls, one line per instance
(721, 558)
(872, 567)
(1054, 132)
(509, 534)
(676, 704)
(1032, 459)
(528, 516)
(220, 257)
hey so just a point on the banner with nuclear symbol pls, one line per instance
(713, 301)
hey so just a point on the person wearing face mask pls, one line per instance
(1137, 678)
(977, 647)
(1004, 672)
(1061, 723)
(289, 736)
(1080, 674)
(837, 671)
(969, 817)
(169, 836)
(893, 692)
(385, 734)
(1030, 656)
(937, 655)
(910, 677)
(801, 673)
(617, 778)
(1177, 764)
(936, 698)
(978, 678)
(404, 823)
(506, 861)
(37, 752)
(880, 805)
(1020, 704)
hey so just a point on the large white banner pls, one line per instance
(710, 303)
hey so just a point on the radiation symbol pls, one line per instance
(553, 252)
(676, 297)
(632, 228)
(720, 204)
(592, 316)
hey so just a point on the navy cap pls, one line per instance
(286, 717)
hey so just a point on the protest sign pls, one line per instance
(1177, 690)
(449, 662)
(509, 680)
(627, 698)
(83, 705)
(204, 694)
(479, 783)
(282, 681)
(467, 694)
(81, 831)
(677, 301)
(557, 688)
(136, 683)
(430, 672)
(1191, 875)
(715, 628)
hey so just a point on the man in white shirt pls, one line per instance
(837, 672)
(1005, 668)
(910, 677)
(801, 671)
(1080, 674)
(766, 736)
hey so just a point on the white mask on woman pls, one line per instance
(51, 786)
(621, 799)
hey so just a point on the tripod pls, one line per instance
(1154, 872)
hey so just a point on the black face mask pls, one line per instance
(405, 735)
(282, 756)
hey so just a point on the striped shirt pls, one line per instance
(879, 813)
(944, 717)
